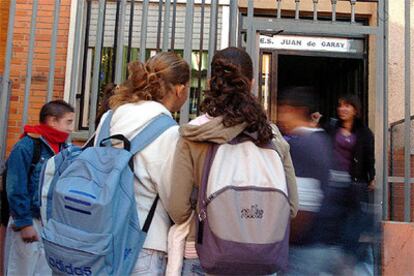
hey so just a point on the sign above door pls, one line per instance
(311, 43)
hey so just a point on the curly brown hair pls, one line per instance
(152, 80)
(230, 96)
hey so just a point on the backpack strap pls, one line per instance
(36, 150)
(151, 132)
(202, 194)
(37, 147)
(150, 215)
(104, 132)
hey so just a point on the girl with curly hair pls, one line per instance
(230, 111)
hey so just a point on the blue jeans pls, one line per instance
(150, 263)
(192, 267)
(316, 259)
(365, 264)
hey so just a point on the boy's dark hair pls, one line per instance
(352, 100)
(298, 96)
(57, 108)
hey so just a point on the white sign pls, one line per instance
(308, 43)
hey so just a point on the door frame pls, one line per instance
(272, 112)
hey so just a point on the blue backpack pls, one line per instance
(89, 208)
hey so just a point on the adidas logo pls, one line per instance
(253, 212)
(69, 269)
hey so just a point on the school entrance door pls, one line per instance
(333, 66)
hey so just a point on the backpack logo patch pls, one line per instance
(69, 268)
(254, 212)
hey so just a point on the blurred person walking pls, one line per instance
(312, 246)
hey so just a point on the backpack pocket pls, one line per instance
(75, 252)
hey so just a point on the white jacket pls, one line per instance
(129, 120)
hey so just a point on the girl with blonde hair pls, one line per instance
(159, 86)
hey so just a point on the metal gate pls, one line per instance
(344, 27)
(243, 22)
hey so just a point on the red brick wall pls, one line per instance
(40, 64)
(4, 18)
(396, 196)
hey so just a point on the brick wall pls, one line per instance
(396, 196)
(4, 17)
(38, 91)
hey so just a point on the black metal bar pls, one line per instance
(131, 26)
(109, 64)
(173, 25)
(118, 6)
(159, 26)
(200, 54)
(399, 122)
(85, 60)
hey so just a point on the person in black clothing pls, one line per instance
(353, 177)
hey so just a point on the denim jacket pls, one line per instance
(22, 188)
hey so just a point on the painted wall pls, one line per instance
(396, 59)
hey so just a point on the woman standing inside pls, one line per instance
(353, 175)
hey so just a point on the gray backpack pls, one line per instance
(243, 220)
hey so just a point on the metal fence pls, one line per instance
(243, 25)
(5, 85)
(136, 30)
